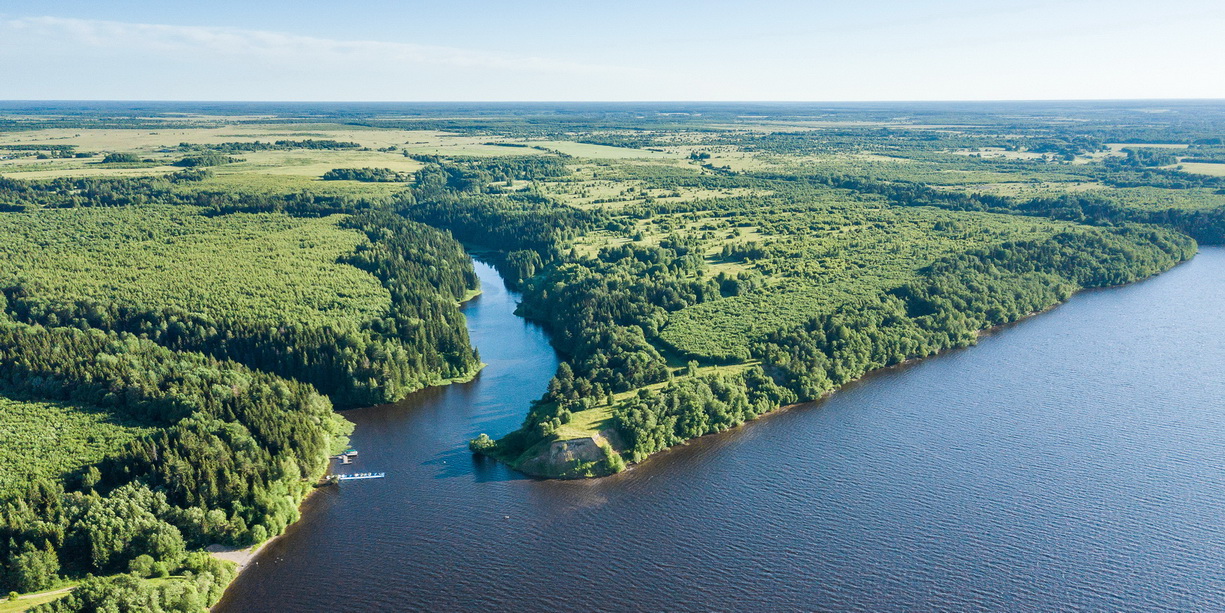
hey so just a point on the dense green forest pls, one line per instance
(368, 175)
(204, 355)
(188, 358)
(182, 309)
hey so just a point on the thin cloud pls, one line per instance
(273, 47)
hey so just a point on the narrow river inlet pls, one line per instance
(1073, 461)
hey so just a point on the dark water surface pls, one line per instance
(1075, 461)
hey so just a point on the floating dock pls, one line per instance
(356, 476)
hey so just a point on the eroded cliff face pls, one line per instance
(593, 456)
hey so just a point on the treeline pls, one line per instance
(1142, 176)
(1205, 154)
(1145, 156)
(121, 158)
(421, 340)
(475, 174)
(206, 160)
(367, 175)
(280, 145)
(204, 580)
(234, 456)
(72, 192)
(63, 149)
(530, 230)
(947, 307)
(1206, 226)
(1067, 147)
(42, 152)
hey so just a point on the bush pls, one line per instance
(120, 158)
(142, 565)
(482, 444)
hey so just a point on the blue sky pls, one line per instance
(627, 50)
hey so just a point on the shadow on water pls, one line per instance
(1074, 461)
(461, 463)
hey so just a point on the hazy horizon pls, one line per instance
(492, 103)
(780, 50)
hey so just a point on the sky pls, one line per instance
(628, 50)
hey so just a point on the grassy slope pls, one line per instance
(30, 601)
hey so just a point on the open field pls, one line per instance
(1212, 170)
(162, 146)
(859, 252)
(315, 163)
(601, 152)
(29, 601)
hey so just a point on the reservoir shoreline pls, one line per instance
(554, 469)
(1021, 474)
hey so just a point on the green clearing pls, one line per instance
(601, 152)
(46, 440)
(259, 267)
(1214, 169)
(1155, 198)
(29, 601)
(225, 180)
(584, 424)
(315, 163)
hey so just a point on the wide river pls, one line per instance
(1074, 461)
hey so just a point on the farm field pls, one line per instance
(1212, 169)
